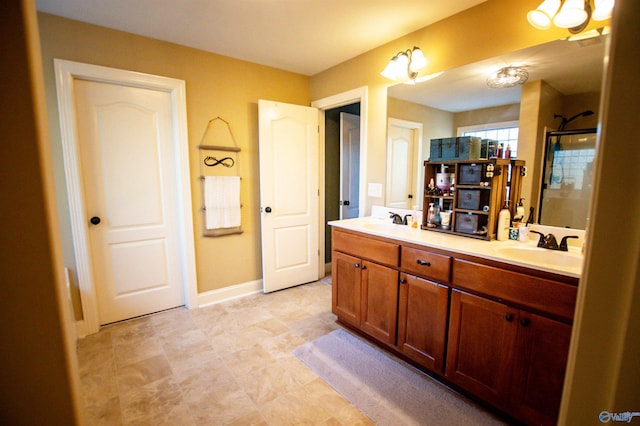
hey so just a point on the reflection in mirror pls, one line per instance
(564, 78)
(403, 179)
(567, 178)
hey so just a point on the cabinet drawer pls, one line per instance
(367, 248)
(426, 264)
(541, 294)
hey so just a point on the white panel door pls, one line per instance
(129, 177)
(288, 194)
(400, 165)
(349, 165)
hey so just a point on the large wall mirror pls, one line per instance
(564, 81)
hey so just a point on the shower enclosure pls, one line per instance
(567, 178)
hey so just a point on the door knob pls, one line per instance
(268, 210)
(94, 220)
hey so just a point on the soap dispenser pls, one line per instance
(504, 221)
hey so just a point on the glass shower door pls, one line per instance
(567, 178)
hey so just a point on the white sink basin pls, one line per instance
(386, 227)
(541, 256)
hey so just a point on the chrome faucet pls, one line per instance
(549, 241)
(396, 218)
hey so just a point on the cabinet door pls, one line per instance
(540, 362)
(422, 321)
(481, 338)
(346, 287)
(379, 306)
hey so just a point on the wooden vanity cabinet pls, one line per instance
(482, 334)
(379, 303)
(511, 358)
(346, 287)
(540, 361)
(422, 321)
(365, 284)
(499, 332)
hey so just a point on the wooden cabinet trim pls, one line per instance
(426, 263)
(534, 293)
(383, 252)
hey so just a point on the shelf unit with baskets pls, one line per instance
(479, 190)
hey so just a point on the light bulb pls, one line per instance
(390, 71)
(603, 9)
(418, 61)
(540, 18)
(402, 66)
(571, 14)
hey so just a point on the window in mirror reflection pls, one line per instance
(505, 133)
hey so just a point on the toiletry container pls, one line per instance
(504, 222)
(519, 216)
(431, 214)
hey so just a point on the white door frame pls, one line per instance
(66, 72)
(341, 99)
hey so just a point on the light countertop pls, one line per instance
(525, 254)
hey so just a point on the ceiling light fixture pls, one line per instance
(507, 77)
(405, 65)
(571, 14)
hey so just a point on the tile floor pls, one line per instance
(226, 364)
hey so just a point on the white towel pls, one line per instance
(222, 201)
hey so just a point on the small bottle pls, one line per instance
(519, 216)
(492, 149)
(436, 217)
(499, 151)
(507, 152)
(430, 216)
(504, 222)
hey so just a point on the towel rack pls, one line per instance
(215, 152)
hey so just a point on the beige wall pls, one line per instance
(487, 115)
(215, 86)
(39, 380)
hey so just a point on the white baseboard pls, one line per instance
(204, 299)
(227, 293)
(81, 329)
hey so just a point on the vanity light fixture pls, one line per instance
(405, 65)
(571, 14)
(507, 77)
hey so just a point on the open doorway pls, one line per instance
(342, 168)
(355, 96)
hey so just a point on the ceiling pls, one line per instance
(302, 36)
(571, 67)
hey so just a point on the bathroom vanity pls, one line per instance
(491, 318)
